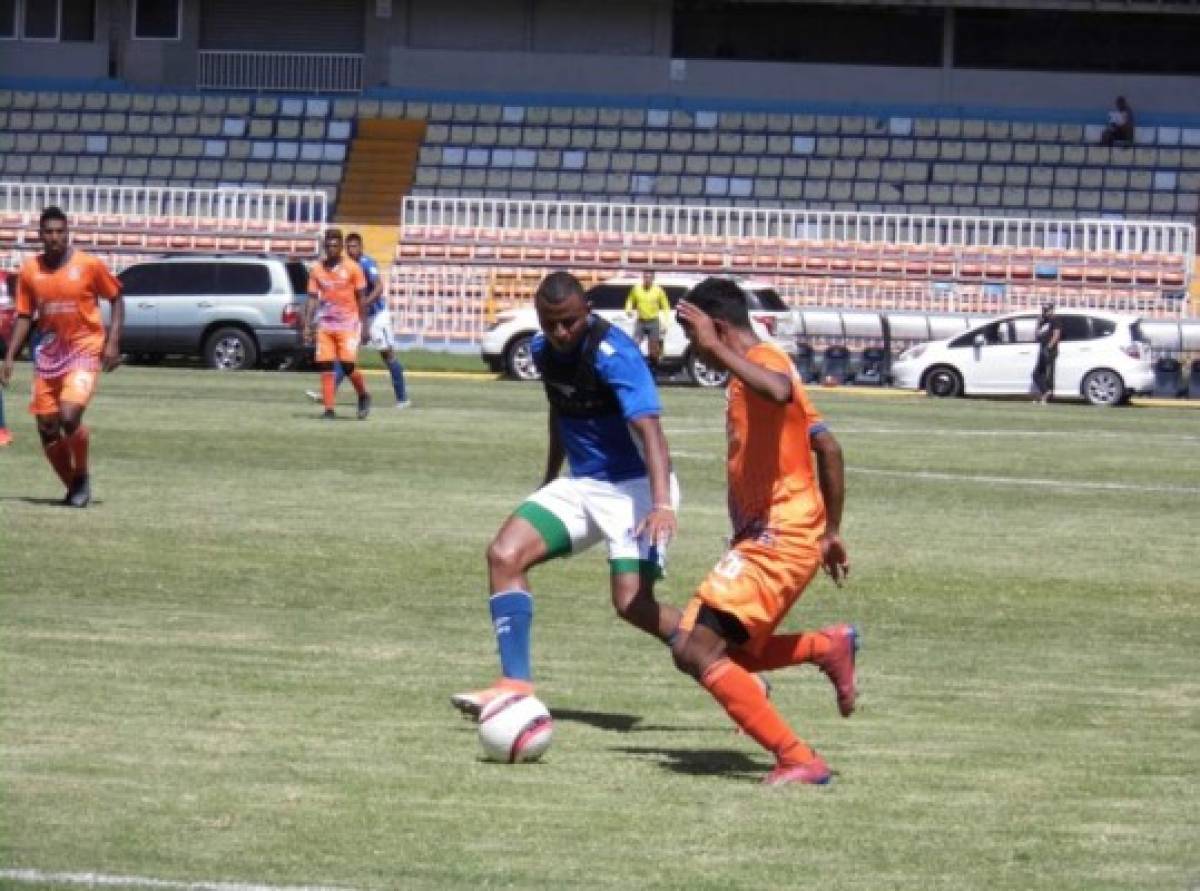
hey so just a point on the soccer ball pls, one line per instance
(515, 727)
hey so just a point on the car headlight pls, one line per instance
(913, 353)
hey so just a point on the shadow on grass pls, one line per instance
(603, 720)
(704, 762)
(44, 502)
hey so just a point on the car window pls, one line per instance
(1026, 329)
(243, 278)
(143, 279)
(1135, 332)
(189, 279)
(767, 299)
(298, 276)
(1075, 328)
(608, 296)
(1105, 327)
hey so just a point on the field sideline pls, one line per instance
(234, 668)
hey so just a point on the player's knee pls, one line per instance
(504, 556)
(348, 368)
(685, 657)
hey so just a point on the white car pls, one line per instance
(506, 343)
(1102, 357)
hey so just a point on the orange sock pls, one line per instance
(743, 698)
(328, 387)
(58, 453)
(360, 384)
(783, 650)
(78, 442)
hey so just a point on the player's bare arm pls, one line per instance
(19, 335)
(707, 335)
(660, 524)
(555, 454)
(310, 311)
(111, 357)
(831, 477)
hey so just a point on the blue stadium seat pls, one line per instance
(1168, 377)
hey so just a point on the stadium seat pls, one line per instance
(835, 365)
(1168, 377)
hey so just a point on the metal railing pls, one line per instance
(265, 208)
(729, 223)
(280, 72)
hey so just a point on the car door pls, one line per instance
(1077, 350)
(982, 355)
(142, 287)
(185, 305)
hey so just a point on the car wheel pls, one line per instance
(518, 359)
(230, 349)
(702, 375)
(1104, 387)
(943, 382)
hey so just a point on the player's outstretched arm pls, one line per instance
(111, 358)
(19, 335)
(660, 524)
(831, 477)
(555, 454)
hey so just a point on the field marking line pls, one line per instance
(100, 880)
(941, 431)
(1083, 485)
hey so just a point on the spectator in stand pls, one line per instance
(1120, 124)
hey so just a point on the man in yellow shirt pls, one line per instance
(648, 303)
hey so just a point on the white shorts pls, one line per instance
(380, 335)
(590, 510)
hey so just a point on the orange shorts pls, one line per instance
(339, 345)
(49, 393)
(757, 584)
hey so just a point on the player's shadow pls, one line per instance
(704, 762)
(44, 502)
(617, 722)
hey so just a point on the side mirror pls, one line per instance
(979, 340)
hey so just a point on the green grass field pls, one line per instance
(235, 666)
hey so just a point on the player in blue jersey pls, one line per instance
(604, 421)
(378, 323)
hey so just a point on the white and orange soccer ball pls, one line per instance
(515, 727)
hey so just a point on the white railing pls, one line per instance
(1113, 235)
(280, 72)
(267, 208)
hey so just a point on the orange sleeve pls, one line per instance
(26, 301)
(107, 284)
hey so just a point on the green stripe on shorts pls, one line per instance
(647, 569)
(549, 527)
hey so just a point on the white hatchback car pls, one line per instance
(506, 343)
(1102, 357)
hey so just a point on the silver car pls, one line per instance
(234, 312)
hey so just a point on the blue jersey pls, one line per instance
(603, 447)
(371, 272)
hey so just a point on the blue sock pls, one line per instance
(397, 371)
(512, 620)
(339, 374)
(1, 409)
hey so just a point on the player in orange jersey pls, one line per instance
(337, 301)
(62, 287)
(786, 523)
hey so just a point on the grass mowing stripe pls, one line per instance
(99, 880)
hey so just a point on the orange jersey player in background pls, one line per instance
(786, 525)
(62, 287)
(333, 316)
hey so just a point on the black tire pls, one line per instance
(943, 382)
(230, 349)
(1104, 387)
(701, 374)
(518, 359)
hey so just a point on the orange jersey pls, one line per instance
(66, 302)
(337, 290)
(773, 494)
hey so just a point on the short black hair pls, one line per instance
(333, 233)
(53, 212)
(558, 287)
(721, 298)
(353, 236)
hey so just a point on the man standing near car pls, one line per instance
(1049, 333)
(647, 303)
(378, 327)
(63, 288)
(337, 298)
